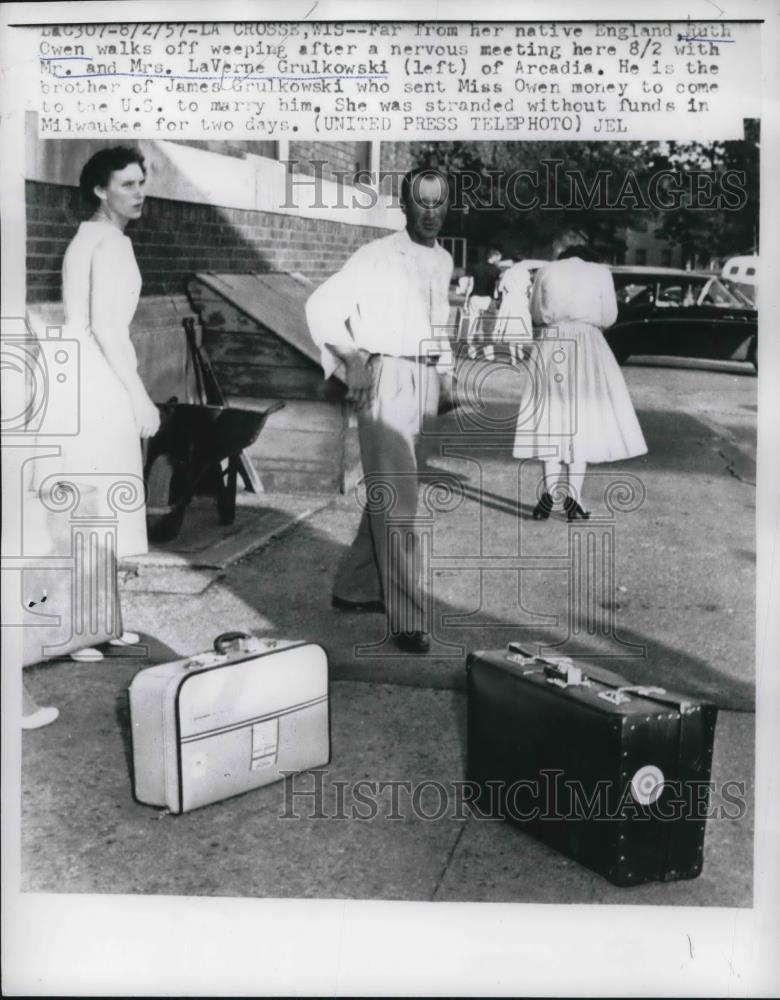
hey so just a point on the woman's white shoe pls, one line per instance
(87, 655)
(126, 639)
(40, 717)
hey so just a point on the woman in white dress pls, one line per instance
(514, 314)
(584, 413)
(101, 285)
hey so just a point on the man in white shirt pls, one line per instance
(380, 325)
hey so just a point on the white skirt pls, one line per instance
(577, 408)
(102, 462)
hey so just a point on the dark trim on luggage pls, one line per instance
(221, 666)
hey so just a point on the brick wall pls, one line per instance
(395, 158)
(174, 240)
(336, 156)
(231, 147)
(343, 157)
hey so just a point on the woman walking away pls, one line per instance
(585, 412)
(101, 285)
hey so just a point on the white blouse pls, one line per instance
(390, 297)
(101, 282)
(573, 291)
(101, 285)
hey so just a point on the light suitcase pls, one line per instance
(612, 774)
(222, 723)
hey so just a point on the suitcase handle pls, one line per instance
(620, 694)
(227, 639)
(562, 672)
(558, 670)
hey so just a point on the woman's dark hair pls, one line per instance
(582, 251)
(98, 169)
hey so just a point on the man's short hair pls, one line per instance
(410, 177)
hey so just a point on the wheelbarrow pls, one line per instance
(196, 450)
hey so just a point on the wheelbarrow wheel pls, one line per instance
(164, 517)
(226, 491)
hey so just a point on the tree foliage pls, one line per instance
(494, 192)
(715, 232)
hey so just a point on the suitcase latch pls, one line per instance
(619, 696)
(203, 660)
(561, 671)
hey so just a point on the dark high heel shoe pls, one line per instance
(542, 510)
(573, 510)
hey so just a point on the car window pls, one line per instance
(680, 293)
(674, 294)
(675, 291)
(716, 293)
(734, 269)
(750, 270)
(743, 299)
(635, 292)
(669, 295)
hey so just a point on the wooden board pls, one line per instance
(305, 446)
(254, 348)
(274, 300)
(256, 336)
(278, 383)
(297, 414)
(217, 313)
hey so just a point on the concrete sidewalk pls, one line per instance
(322, 835)
(675, 618)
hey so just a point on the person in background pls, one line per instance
(513, 325)
(371, 321)
(585, 414)
(101, 285)
(480, 295)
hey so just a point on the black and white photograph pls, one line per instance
(382, 514)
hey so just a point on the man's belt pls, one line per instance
(419, 359)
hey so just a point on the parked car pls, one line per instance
(691, 314)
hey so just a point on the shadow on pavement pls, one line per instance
(669, 438)
(344, 633)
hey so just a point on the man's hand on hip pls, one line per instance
(357, 366)
(359, 379)
(447, 391)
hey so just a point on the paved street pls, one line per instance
(675, 607)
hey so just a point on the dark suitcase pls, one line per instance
(615, 776)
